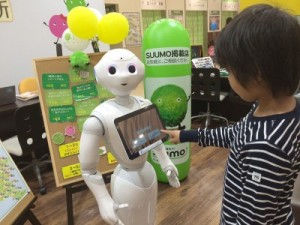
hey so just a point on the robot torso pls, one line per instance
(107, 112)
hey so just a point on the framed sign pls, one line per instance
(153, 4)
(196, 51)
(230, 5)
(196, 5)
(214, 21)
(6, 14)
(176, 15)
(134, 37)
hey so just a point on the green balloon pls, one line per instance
(168, 33)
(166, 53)
(74, 3)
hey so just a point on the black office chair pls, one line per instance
(206, 87)
(30, 140)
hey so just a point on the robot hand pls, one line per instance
(167, 166)
(119, 206)
(172, 175)
(108, 209)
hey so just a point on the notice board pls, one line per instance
(67, 96)
(15, 195)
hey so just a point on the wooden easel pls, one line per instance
(73, 184)
(27, 214)
(21, 211)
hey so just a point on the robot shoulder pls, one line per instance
(93, 126)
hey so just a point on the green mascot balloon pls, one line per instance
(74, 3)
(167, 58)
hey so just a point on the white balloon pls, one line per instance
(73, 43)
(97, 13)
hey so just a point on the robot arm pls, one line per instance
(89, 158)
(167, 165)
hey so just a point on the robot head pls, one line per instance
(120, 71)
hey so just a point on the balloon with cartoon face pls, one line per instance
(57, 25)
(74, 3)
(73, 43)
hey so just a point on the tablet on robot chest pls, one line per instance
(140, 131)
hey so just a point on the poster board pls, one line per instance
(15, 196)
(134, 37)
(176, 15)
(214, 15)
(196, 51)
(196, 5)
(153, 5)
(67, 96)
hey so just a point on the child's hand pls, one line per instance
(174, 135)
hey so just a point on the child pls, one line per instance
(260, 48)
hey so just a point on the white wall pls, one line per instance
(27, 38)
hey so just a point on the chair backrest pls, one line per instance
(28, 84)
(30, 128)
(206, 84)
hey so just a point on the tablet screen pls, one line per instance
(140, 131)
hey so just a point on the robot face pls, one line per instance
(120, 71)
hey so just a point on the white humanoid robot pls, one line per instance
(133, 184)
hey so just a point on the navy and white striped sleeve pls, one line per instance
(219, 137)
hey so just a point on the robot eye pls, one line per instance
(112, 70)
(131, 68)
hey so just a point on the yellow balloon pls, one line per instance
(113, 28)
(82, 22)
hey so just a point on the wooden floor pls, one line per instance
(196, 202)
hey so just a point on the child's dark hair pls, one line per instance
(262, 41)
(228, 19)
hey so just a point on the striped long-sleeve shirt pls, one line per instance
(261, 169)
